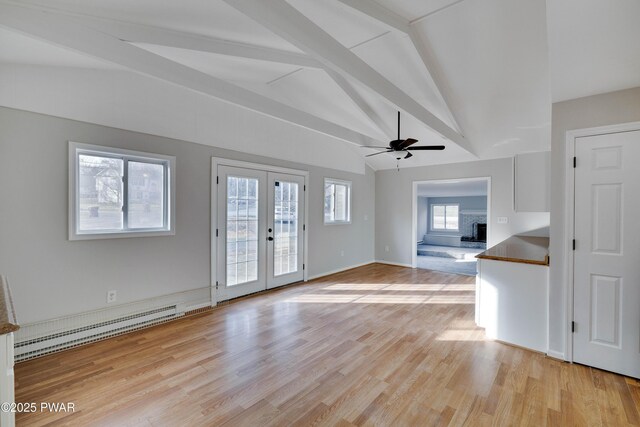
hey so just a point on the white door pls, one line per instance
(285, 233)
(607, 253)
(241, 230)
(259, 229)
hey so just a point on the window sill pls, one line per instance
(120, 235)
(338, 223)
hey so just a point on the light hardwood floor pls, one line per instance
(377, 345)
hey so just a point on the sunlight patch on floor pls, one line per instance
(325, 298)
(430, 287)
(382, 299)
(392, 299)
(459, 335)
(357, 286)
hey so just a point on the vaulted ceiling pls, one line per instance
(476, 76)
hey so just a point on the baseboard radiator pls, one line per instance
(40, 338)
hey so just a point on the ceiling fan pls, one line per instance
(402, 147)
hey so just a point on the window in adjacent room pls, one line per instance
(444, 217)
(337, 201)
(119, 193)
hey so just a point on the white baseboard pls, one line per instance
(340, 270)
(199, 306)
(399, 264)
(556, 355)
(44, 337)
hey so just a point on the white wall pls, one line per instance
(599, 110)
(51, 276)
(394, 199)
(126, 100)
(423, 217)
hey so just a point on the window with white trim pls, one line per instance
(445, 217)
(337, 201)
(119, 193)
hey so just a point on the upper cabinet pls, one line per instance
(532, 182)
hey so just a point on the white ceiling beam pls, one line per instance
(63, 31)
(435, 74)
(287, 22)
(361, 103)
(395, 22)
(379, 13)
(136, 33)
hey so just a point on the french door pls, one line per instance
(260, 230)
(607, 253)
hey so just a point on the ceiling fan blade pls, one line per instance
(374, 146)
(379, 152)
(427, 147)
(407, 142)
(408, 155)
(395, 144)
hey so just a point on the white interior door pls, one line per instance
(607, 253)
(285, 241)
(241, 229)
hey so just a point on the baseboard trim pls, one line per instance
(53, 335)
(556, 355)
(399, 264)
(340, 270)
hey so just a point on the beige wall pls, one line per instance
(599, 110)
(394, 192)
(51, 276)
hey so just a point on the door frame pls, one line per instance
(221, 161)
(569, 220)
(414, 209)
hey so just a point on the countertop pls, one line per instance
(523, 249)
(8, 321)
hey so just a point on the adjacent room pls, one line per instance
(451, 224)
(335, 213)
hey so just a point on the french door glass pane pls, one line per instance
(145, 195)
(100, 193)
(242, 230)
(285, 249)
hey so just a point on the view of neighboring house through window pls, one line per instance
(119, 191)
(444, 217)
(337, 201)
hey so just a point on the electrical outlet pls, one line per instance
(112, 296)
(341, 253)
(503, 220)
(366, 217)
(386, 248)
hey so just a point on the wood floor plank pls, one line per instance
(377, 345)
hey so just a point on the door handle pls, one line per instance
(270, 238)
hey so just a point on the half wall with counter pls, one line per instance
(511, 291)
(8, 325)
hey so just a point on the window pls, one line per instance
(119, 193)
(444, 217)
(337, 201)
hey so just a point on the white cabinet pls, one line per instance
(532, 182)
(511, 302)
(7, 418)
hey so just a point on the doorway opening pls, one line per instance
(450, 224)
